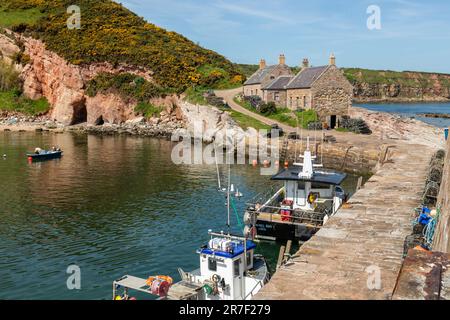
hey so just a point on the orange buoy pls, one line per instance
(255, 163)
(286, 164)
(266, 163)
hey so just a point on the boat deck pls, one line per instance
(184, 290)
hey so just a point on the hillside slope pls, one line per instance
(111, 33)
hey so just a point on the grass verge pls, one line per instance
(10, 101)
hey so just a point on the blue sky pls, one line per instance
(414, 35)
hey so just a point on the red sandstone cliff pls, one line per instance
(63, 84)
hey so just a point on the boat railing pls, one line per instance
(296, 216)
(251, 294)
(264, 197)
(263, 200)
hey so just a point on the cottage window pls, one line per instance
(276, 96)
(298, 102)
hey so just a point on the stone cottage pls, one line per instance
(265, 75)
(324, 89)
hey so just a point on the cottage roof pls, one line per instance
(259, 75)
(279, 83)
(305, 78)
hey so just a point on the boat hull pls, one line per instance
(45, 156)
(271, 230)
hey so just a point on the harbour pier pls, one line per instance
(359, 253)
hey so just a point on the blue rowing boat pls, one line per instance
(44, 155)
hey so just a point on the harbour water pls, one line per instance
(415, 110)
(112, 205)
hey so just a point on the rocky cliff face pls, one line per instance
(63, 84)
(379, 86)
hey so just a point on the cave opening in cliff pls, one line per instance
(79, 112)
(99, 121)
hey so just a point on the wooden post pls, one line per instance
(281, 256)
(288, 248)
(360, 180)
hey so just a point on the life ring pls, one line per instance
(150, 280)
(312, 197)
(216, 278)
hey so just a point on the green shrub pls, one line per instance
(9, 77)
(125, 84)
(268, 109)
(11, 101)
(112, 33)
(21, 58)
(148, 110)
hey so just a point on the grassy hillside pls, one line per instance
(110, 32)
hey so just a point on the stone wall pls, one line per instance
(342, 156)
(270, 96)
(332, 94)
(253, 90)
(299, 98)
(442, 235)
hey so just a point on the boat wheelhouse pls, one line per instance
(310, 195)
(229, 270)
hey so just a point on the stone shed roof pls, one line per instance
(279, 83)
(305, 78)
(259, 75)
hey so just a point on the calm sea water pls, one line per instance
(112, 206)
(414, 110)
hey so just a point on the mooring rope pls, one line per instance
(239, 221)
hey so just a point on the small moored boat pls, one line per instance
(40, 155)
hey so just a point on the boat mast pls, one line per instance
(228, 199)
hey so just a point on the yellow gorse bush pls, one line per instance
(109, 32)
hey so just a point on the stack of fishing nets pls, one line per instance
(434, 178)
(355, 125)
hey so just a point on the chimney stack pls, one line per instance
(282, 60)
(262, 64)
(332, 60)
(305, 63)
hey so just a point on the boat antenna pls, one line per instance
(301, 132)
(315, 133)
(321, 146)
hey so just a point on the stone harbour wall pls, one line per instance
(442, 235)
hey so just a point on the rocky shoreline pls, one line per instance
(138, 127)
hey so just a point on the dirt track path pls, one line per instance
(228, 96)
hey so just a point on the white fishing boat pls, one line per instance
(229, 269)
(310, 195)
